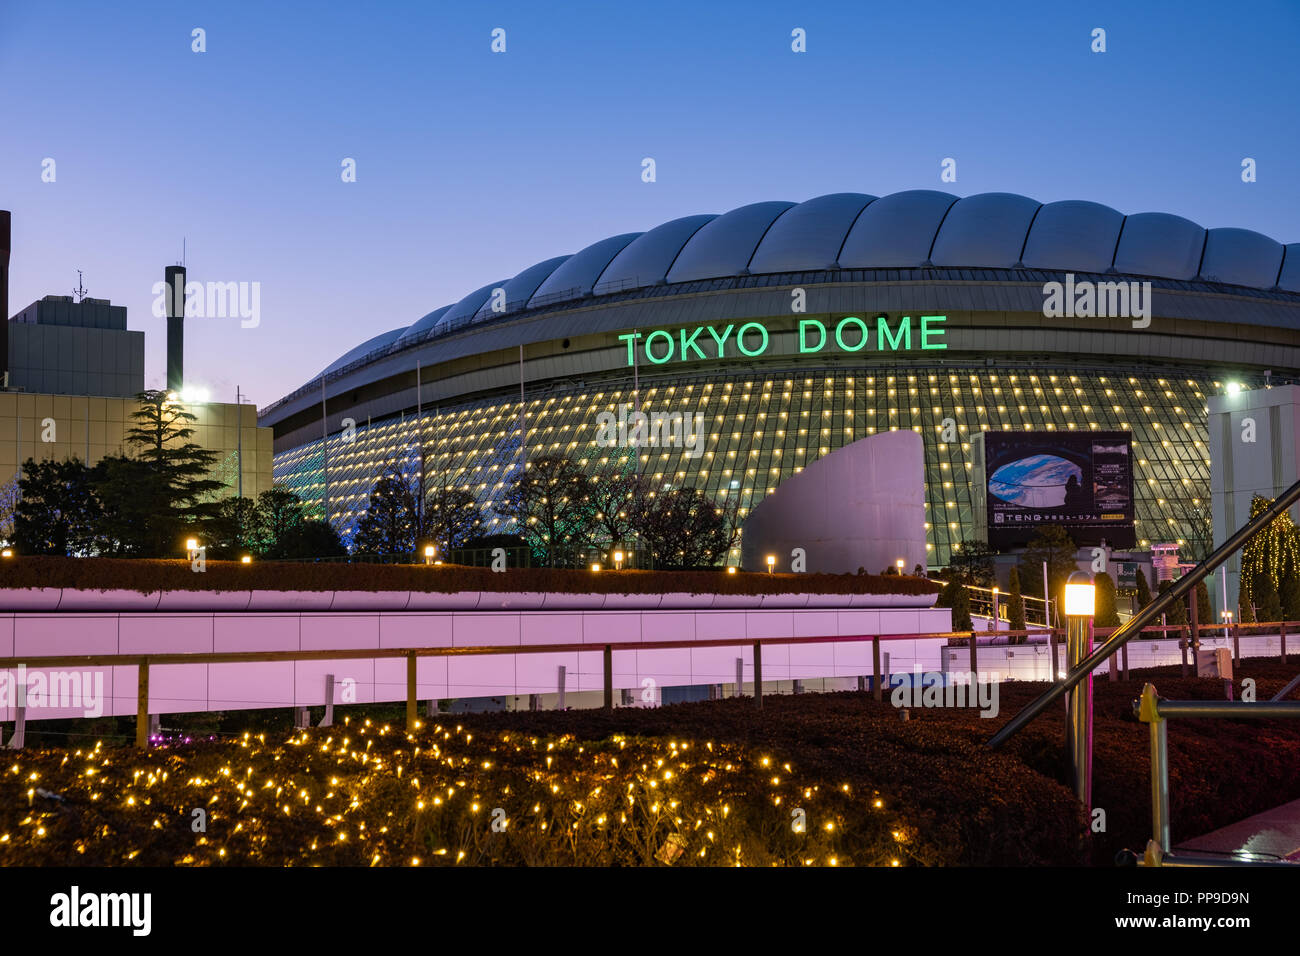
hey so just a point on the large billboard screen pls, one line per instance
(1082, 481)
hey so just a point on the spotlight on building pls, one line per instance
(1232, 388)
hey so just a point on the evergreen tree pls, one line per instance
(1016, 605)
(1053, 545)
(1105, 613)
(973, 560)
(1204, 611)
(58, 511)
(312, 538)
(1177, 612)
(130, 492)
(1266, 555)
(177, 492)
(1268, 606)
(960, 606)
(279, 514)
(1143, 588)
(232, 532)
(1290, 593)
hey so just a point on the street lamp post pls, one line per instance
(771, 562)
(995, 609)
(1080, 605)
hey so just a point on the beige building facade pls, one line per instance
(58, 427)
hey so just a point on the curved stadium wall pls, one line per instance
(939, 306)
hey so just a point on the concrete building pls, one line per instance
(61, 347)
(1254, 437)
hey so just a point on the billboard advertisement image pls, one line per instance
(1082, 481)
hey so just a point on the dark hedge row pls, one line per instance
(972, 806)
(148, 575)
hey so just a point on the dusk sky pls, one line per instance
(473, 165)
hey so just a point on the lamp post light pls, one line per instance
(246, 559)
(771, 563)
(1080, 606)
(429, 551)
(900, 563)
(618, 560)
(1227, 622)
(191, 544)
(731, 569)
(595, 565)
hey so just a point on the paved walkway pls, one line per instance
(1273, 833)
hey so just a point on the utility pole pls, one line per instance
(324, 452)
(239, 437)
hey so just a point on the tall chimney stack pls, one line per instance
(175, 278)
(4, 297)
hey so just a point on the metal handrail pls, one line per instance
(1153, 710)
(1147, 615)
(144, 661)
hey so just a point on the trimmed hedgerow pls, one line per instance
(145, 576)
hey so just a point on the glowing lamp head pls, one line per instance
(595, 565)
(1080, 595)
(731, 569)
(191, 544)
(7, 553)
(899, 564)
(618, 555)
(771, 560)
(429, 550)
(1232, 388)
(246, 559)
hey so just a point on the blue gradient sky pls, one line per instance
(472, 166)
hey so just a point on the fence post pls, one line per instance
(327, 719)
(609, 678)
(974, 652)
(1149, 712)
(142, 706)
(20, 723)
(1236, 646)
(758, 674)
(875, 667)
(412, 711)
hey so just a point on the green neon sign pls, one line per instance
(849, 334)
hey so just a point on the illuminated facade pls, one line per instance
(794, 329)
